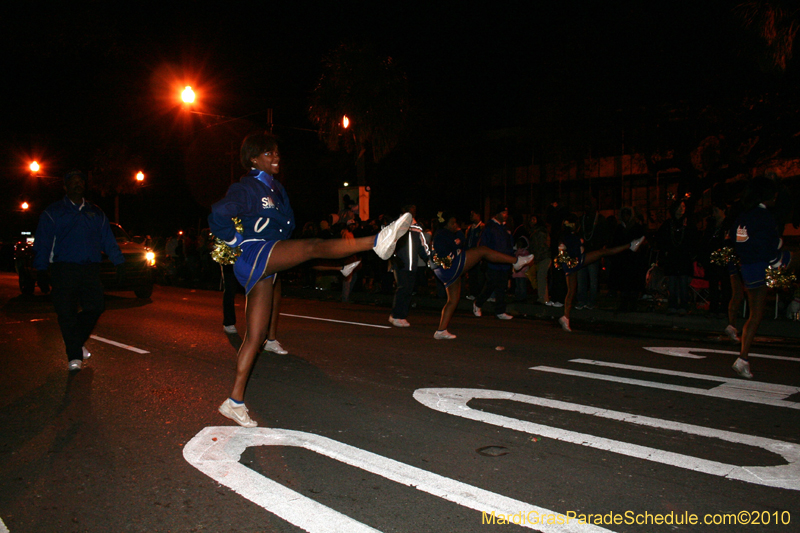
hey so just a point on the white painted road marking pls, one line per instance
(454, 401)
(687, 352)
(338, 321)
(3, 528)
(731, 389)
(118, 344)
(215, 451)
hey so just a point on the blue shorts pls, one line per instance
(754, 275)
(249, 268)
(448, 276)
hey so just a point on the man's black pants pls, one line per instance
(78, 300)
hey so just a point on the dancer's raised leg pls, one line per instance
(290, 253)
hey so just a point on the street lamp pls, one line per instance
(188, 95)
(34, 167)
(140, 176)
(345, 122)
(25, 206)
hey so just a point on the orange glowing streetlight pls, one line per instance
(345, 122)
(140, 176)
(24, 206)
(34, 167)
(188, 95)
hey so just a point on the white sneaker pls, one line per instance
(348, 269)
(274, 346)
(476, 310)
(230, 330)
(731, 332)
(504, 316)
(742, 367)
(636, 243)
(237, 413)
(522, 262)
(386, 240)
(556, 304)
(86, 354)
(399, 322)
(564, 321)
(443, 335)
(490, 299)
(470, 297)
(74, 365)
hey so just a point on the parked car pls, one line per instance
(140, 263)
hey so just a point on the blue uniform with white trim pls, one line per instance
(449, 246)
(572, 245)
(261, 203)
(758, 245)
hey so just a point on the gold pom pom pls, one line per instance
(724, 257)
(444, 262)
(778, 278)
(565, 261)
(224, 254)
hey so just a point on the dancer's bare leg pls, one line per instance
(453, 294)
(595, 255)
(572, 289)
(473, 256)
(276, 304)
(756, 299)
(737, 295)
(292, 252)
(258, 311)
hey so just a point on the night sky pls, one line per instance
(81, 75)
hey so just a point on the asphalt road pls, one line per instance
(365, 426)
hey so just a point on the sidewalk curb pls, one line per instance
(779, 328)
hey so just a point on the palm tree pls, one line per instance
(371, 91)
(776, 23)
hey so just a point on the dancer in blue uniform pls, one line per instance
(451, 258)
(572, 245)
(758, 245)
(262, 205)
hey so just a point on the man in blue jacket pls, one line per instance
(497, 237)
(70, 236)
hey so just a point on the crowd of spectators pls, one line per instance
(673, 274)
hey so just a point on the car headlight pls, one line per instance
(150, 257)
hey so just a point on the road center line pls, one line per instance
(338, 321)
(119, 344)
(731, 388)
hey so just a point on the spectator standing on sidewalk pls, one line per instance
(476, 276)
(497, 237)
(592, 230)
(677, 240)
(713, 239)
(628, 270)
(540, 247)
(404, 265)
(69, 239)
